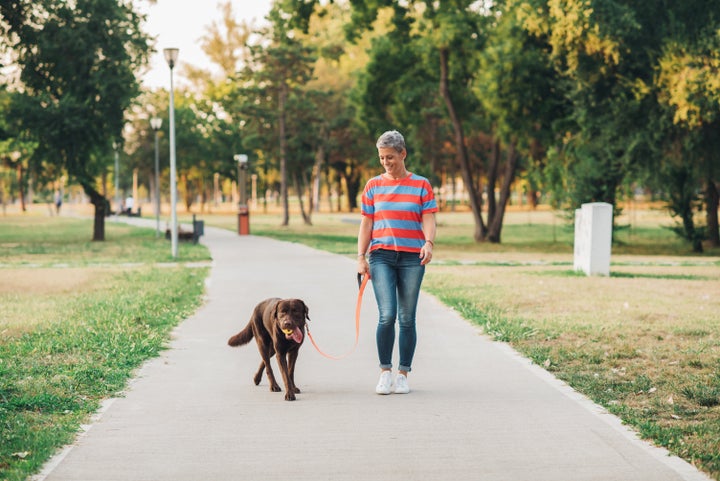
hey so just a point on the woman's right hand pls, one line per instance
(362, 266)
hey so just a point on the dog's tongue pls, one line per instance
(297, 335)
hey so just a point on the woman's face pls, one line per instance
(393, 161)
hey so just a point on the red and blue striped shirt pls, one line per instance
(396, 208)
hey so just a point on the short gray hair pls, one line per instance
(392, 139)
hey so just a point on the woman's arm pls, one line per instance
(364, 235)
(429, 228)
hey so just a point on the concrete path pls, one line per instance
(477, 410)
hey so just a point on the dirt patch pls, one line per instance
(47, 280)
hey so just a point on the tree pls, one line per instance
(266, 90)
(421, 75)
(78, 62)
(339, 156)
(689, 93)
(516, 86)
(598, 52)
(643, 102)
(449, 38)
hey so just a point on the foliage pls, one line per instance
(577, 100)
(78, 62)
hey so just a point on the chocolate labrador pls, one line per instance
(278, 327)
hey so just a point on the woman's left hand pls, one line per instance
(426, 254)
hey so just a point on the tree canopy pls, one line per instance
(572, 100)
(78, 76)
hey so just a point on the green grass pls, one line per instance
(42, 241)
(68, 343)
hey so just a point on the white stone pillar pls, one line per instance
(593, 238)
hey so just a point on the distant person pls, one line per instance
(58, 201)
(129, 203)
(397, 234)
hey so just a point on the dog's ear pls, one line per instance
(275, 310)
(307, 310)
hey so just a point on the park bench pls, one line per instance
(127, 212)
(198, 230)
(130, 213)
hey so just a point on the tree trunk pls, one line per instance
(492, 182)
(316, 177)
(691, 232)
(462, 155)
(21, 186)
(712, 199)
(341, 176)
(300, 191)
(283, 159)
(102, 210)
(352, 183)
(496, 222)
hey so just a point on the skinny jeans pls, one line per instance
(396, 279)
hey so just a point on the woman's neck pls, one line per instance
(402, 175)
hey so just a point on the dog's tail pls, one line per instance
(242, 337)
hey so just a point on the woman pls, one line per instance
(397, 233)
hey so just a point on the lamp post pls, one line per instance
(156, 123)
(243, 211)
(171, 55)
(117, 178)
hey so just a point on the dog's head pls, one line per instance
(291, 315)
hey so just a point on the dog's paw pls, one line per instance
(296, 390)
(257, 379)
(275, 388)
(290, 396)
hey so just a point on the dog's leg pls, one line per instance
(266, 350)
(274, 386)
(283, 364)
(259, 373)
(292, 358)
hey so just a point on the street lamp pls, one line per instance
(156, 123)
(243, 211)
(171, 55)
(116, 146)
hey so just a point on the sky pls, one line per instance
(181, 23)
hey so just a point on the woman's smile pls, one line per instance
(393, 162)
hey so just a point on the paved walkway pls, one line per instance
(477, 410)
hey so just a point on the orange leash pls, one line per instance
(362, 282)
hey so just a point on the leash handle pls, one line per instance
(362, 283)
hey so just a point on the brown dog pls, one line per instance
(278, 326)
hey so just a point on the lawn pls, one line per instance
(78, 317)
(644, 342)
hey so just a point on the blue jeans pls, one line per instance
(396, 279)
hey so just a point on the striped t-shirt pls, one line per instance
(396, 208)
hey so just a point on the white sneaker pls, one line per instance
(401, 384)
(385, 383)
